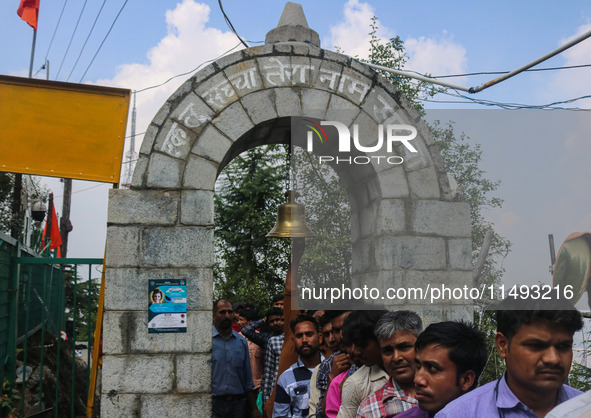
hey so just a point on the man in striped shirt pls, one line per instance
(293, 386)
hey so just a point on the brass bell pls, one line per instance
(291, 220)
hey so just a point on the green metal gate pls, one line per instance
(44, 292)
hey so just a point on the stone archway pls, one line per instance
(163, 226)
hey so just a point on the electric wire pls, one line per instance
(103, 41)
(188, 72)
(491, 103)
(55, 30)
(39, 70)
(566, 67)
(131, 136)
(84, 190)
(87, 38)
(511, 106)
(230, 24)
(71, 39)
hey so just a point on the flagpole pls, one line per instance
(15, 227)
(32, 53)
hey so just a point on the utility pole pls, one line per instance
(65, 224)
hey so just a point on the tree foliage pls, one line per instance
(85, 309)
(327, 259)
(36, 191)
(391, 54)
(249, 266)
(6, 186)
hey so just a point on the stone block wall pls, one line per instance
(157, 234)
(406, 229)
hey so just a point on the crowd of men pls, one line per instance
(378, 363)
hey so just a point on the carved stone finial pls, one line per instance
(293, 27)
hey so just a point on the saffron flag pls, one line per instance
(29, 12)
(55, 235)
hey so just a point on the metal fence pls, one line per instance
(43, 304)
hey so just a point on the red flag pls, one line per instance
(29, 12)
(55, 235)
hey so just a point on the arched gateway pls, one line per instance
(406, 229)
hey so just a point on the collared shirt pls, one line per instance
(388, 401)
(577, 407)
(414, 412)
(271, 365)
(230, 368)
(359, 386)
(324, 369)
(488, 402)
(314, 393)
(293, 391)
(322, 382)
(318, 394)
(259, 338)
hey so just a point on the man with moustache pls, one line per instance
(449, 357)
(537, 346)
(397, 333)
(269, 327)
(332, 366)
(231, 376)
(293, 386)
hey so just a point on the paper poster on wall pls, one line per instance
(167, 306)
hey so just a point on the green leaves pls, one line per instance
(249, 266)
(391, 54)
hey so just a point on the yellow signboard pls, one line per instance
(57, 129)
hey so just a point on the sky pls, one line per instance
(540, 157)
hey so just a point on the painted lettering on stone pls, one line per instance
(175, 137)
(280, 74)
(192, 119)
(244, 80)
(345, 83)
(219, 95)
(384, 111)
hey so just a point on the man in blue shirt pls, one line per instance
(293, 386)
(537, 347)
(231, 375)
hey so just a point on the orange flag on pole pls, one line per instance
(55, 236)
(29, 12)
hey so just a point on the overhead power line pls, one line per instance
(103, 41)
(187, 72)
(567, 67)
(87, 38)
(491, 83)
(230, 24)
(71, 39)
(55, 30)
